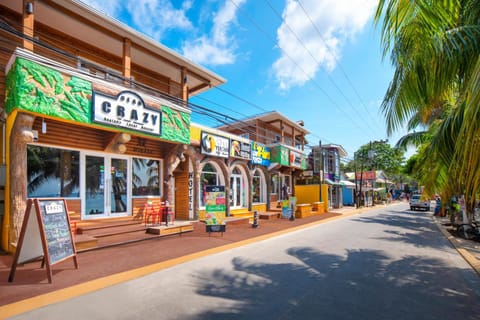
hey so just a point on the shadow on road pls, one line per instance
(365, 284)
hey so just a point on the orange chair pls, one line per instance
(151, 212)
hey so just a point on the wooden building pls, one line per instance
(93, 112)
(285, 142)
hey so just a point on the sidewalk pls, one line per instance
(104, 267)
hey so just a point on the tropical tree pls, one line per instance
(434, 47)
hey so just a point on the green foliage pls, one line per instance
(435, 49)
(384, 157)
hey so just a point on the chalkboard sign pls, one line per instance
(46, 234)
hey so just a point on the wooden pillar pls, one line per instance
(21, 134)
(126, 58)
(184, 82)
(28, 18)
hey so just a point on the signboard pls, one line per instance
(297, 159)
(260, 154)
(280, 155)
(239, 149)
(126, 110)
(214, 145)
(45, 234)
(367, 175)
(287, 206)
(215, 206)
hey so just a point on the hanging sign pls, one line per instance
(45, 234)
(215, 206)
(260, 154)
(214, 145)
(126, 110)
(240, 149)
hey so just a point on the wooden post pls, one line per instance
(18, 164)
(28, 19)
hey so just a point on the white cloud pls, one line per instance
(216, 48)
(154, 17)
(151, 17)
(335, 20)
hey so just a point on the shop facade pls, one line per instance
(93, 112)
(285, 141)
(234, 162)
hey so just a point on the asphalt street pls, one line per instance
(388, 263)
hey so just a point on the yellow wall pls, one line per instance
(259, 207)
(310, 194)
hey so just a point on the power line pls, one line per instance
(299, 67)
(338, 61)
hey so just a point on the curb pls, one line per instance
(467, 256)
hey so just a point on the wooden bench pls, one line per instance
(303, 210)
(318, 207)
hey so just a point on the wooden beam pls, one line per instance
(28, 20)
(127, 58)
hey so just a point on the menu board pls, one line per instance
(215, 206)
(45, 234)
(57, 229)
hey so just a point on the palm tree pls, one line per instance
(434, 47)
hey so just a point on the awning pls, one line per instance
(330, 182)
(347, 183)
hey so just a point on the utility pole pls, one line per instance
(320, 182)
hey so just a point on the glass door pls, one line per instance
(236, 191)
(106, 181)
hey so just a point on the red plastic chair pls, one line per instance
(151, 213)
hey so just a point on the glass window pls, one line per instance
(257, 187)
(208, 177)
(52, 173)
(274, 183)
(146, 177)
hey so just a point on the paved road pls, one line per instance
(389, 263)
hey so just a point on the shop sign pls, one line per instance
(280, 155)
(260, 154)
(126, 110)
(297, 159)
(190, 194)
(367, 175)
(214, 145)
(239, 149)
(215, 201)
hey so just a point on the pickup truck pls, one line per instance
(416, 202)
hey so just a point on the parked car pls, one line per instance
(416, 202)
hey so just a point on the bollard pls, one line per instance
(292, 212)
(255, 219)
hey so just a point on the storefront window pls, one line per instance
(208, 177)
(274, 183)
(146, 177)
(52, 173)
(257, 187)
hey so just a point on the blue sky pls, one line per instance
(319, 61)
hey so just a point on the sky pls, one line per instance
(319, 61)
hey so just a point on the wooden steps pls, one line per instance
(95, 234)
(270, 215)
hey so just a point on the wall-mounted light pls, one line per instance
(29, 7)
(44, 126)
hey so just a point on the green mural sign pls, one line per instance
(39, 89)
(281, 155)
(175, 125)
